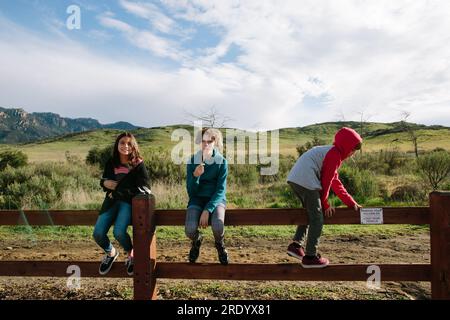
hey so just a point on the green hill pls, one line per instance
(377, 136)
(19, 126)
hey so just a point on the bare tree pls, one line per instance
(340, 116)
(410, 130)
(364, 118)
(211, 118)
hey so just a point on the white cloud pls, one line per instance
(367, 55)
(150, 12)
(143, 39)
(100, 35)
(58, 75)
(380, 57)
(110, 22)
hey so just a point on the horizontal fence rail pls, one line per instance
(148, 269)
(234, 217)
(214, 271)
(291, 272)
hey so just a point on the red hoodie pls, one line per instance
(345, 141)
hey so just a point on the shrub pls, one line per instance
(411, 192)
(72, 158)
(12, 158)
(161, 168)
(42, 186)
(446, 186)
(393, 160)
(285, 164)
(361, 184)
(99, 156)
(310, 144)
(383, 162)
(243, 174)
(434, 168)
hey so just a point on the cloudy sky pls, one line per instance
(265, 64)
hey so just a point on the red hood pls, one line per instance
(346, 140)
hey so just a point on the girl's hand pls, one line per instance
(110, 184)
(329, 212)
(357, 207)
(204, 219)
(199, 170)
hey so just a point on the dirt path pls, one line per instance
(353, 249)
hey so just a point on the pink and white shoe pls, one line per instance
(296, 250)
(314, 262)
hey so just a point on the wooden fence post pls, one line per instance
(440, 245)
(144, 244)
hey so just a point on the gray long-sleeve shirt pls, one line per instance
(307, 169)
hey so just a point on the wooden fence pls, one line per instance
(147, 269)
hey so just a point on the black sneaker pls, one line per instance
(129, 264)
(195, 249)
(107, 263)
(222, 253)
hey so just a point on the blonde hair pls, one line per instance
(215, 135)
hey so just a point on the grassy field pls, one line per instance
(427, 141)
(78, 144)
(80, 233)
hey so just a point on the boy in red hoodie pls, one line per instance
(311, 179)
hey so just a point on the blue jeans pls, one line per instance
(216, 219)
(120, 215)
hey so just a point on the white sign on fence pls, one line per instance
(371, 215)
